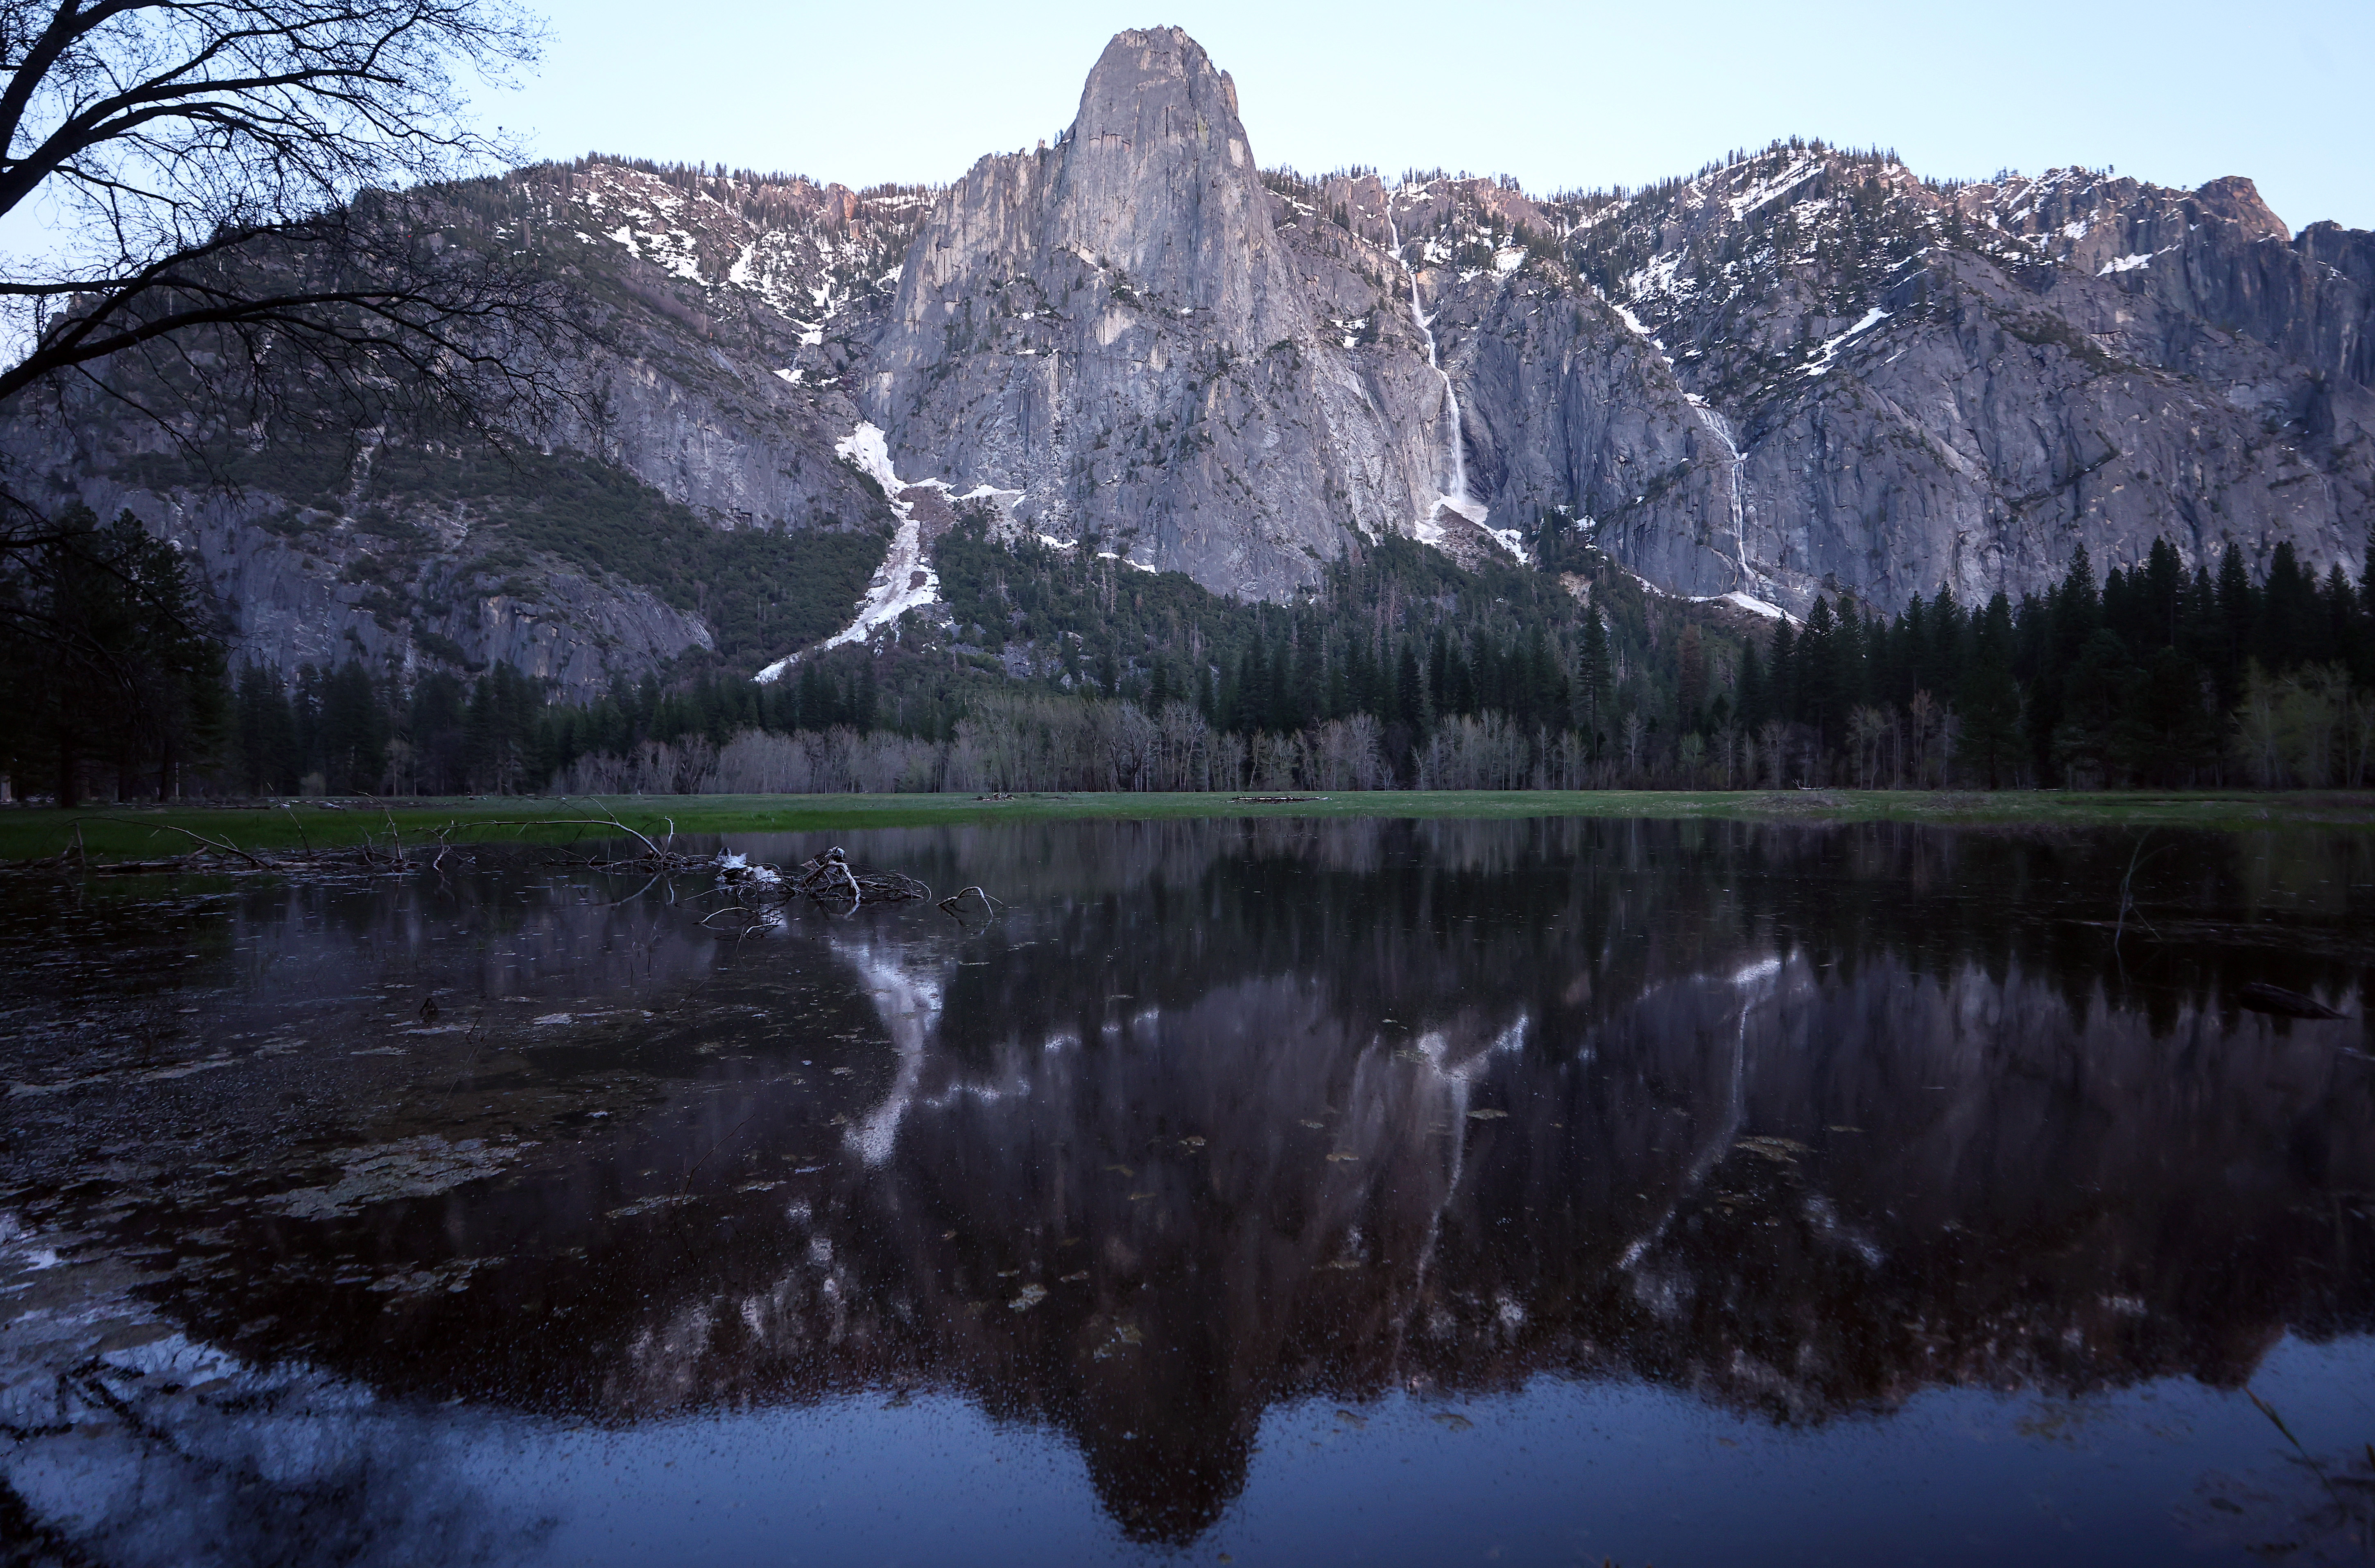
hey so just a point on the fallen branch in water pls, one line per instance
(818, 882)
(211, 846)
(828, 880)
(989, 905)
(2262, 998)
(828, 877)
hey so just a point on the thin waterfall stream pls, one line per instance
(1720, 428)
(1457, 498)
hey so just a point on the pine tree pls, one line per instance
(1989, 700)
(265, 755)
(353, 731)
(2285, 631)
(437, 726)
(1409, 691)
(1690, 690)
(1250, 710)
(2163, 595)
(1595, 685)
(107, 662)
(2238, 613)
(1545, 702)
(1756, 704)
(1305, 691)
(1820, 698)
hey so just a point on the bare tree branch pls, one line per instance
(249, 221)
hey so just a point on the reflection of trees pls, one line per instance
(135, 1466)
(1802, 1120)
(1615, 905)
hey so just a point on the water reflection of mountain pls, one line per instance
(1804, 1120)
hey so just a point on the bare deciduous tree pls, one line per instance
(233, 198)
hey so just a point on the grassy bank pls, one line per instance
(145, 832)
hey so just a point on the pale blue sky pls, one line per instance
(1557, 95)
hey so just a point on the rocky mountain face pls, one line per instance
(1801, 371)
(689, 501)
(1113, 330)
(1907, 385)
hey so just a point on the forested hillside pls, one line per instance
(1405, 671)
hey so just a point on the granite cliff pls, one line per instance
(1113, 330)
(1803, 371)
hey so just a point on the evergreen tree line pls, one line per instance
(1402, 669)
(2156, 678)
(1397, 635)
(111, 679)
(339, 731)
(1398, 670)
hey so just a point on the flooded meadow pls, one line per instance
(1280, 1191)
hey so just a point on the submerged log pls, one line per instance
(2262, 997)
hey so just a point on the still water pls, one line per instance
(1278, 1192)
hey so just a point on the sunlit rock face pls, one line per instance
(1112, 328)
(1799, 372)
(1802, 1121)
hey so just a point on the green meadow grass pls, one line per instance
(152, 832)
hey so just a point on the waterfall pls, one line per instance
(1720, 428)
(1429, 531)
(1751, 580)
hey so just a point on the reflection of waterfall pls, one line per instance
(1429, 531)
(910, 1008)
(1436, 1049)
(1754, 984)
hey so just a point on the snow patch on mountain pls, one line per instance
(1764, 191)
(1831, 346)
(906, 580)
(812, 253)
(866, 450)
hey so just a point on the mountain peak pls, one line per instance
(1158, 177)
(2238, 199)
(1149, 56)
(1114, 331)
(1155, 102)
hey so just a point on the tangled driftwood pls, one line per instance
(829, 879)
(827, 876)
(955, 900)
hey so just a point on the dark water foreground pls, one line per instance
(1295, 1192)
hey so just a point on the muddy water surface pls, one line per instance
(1285, 1192)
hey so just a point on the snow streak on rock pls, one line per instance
(906, 580)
